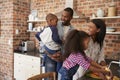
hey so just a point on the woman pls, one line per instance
(97, 31)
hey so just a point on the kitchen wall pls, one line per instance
(13, 16)
(20, 16)
(86, 7)
(6, 39)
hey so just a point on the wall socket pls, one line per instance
(16, 31)
(9, 42)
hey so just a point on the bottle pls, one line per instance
(100, 13)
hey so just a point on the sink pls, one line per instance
(115, 68)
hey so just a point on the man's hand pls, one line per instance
(57, 57)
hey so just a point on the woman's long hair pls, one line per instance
(100, 24)
(74, 43)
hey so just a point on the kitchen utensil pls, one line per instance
(26, 46)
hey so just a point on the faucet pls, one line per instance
(115, 62)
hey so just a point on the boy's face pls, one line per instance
(53, 22)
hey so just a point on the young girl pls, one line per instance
(74, 56)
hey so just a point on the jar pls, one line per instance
(100, 13)
(112, 10)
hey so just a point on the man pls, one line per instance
(64, 27)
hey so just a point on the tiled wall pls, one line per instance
(86, 7)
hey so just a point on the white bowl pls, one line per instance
(110, 29)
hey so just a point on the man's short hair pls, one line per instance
(70, 10)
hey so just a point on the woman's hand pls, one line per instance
(107, 73)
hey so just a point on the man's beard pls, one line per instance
(65, 23)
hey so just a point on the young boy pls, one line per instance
(52, 43)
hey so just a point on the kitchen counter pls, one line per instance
(32, 53)
(26, 65)
(114, 68)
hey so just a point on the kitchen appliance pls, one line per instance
(26, 46)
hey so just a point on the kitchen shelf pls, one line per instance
(74, 17)
(31, 31)
(112, 32)
(114, 17)
(43, 20)
(34, 21)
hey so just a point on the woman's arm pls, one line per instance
(94, 64)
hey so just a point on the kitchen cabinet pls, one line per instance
(114, 17)
(25, 66)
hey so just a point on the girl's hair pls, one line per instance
(74, 43)
(100, 24)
